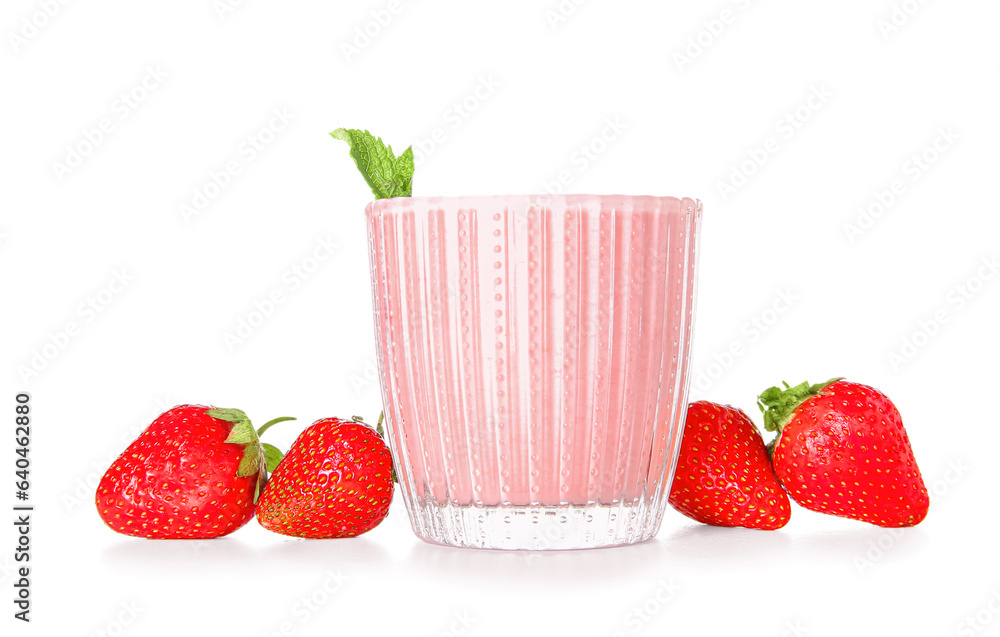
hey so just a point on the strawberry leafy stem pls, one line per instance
(270, 423)
(258, 458)
(777, 404)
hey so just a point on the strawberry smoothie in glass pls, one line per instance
(533, 354)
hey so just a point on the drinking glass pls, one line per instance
(533, 357)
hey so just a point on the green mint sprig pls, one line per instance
(387, 175)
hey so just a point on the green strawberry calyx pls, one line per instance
(259, 458)
(387, 175)
(779, 404)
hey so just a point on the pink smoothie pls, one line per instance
(533, 350)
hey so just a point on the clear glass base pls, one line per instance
(535, 527)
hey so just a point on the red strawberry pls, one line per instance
(724, 476)
(193, 473)
(841, 449)
(335, 481)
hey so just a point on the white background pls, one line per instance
(215, 74)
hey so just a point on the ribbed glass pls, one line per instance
(533, 353)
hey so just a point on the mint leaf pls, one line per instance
(387, 175)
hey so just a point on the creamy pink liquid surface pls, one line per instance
(533, 350)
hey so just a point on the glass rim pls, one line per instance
(379, 206)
